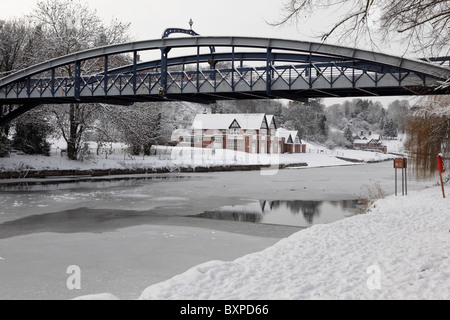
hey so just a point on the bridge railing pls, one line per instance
(253, 78)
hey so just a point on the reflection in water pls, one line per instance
(295, 213)
(232, 216)
(75, 221)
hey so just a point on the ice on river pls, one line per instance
(126, 236)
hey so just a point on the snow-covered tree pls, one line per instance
(14, 37)
(308, 119)
(348, 135)
(70, 26)
(361, 115)
(398, 111)
(390, 130)
(143, 124)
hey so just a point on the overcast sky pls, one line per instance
(149, 18)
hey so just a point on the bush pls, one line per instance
(30, 138)
(5, 146)
(371, 194)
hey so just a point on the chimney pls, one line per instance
(205, 111)
(282, 126)
(370, 133)
(362, 133)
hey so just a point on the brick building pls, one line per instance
(250, 133)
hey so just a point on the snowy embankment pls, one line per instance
(173, 158)
(400, 250)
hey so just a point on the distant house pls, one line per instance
(367, 136)
(250, 133)
(369, 142)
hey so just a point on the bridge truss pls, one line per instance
(207, 69)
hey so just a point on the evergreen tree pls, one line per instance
(348, 134)
(390, 129)
(322, 126)
(5, 147)
(382, 125)
(30, 138)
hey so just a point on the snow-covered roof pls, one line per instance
(367, 137)
(366, 142)
(284, 133)
(251, 121)
(375, 137)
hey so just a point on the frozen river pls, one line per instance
(126, 235)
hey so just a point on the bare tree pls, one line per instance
(15, 36)
(429, 134)
(422, 24)
(70, 26)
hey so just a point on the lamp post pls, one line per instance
(191, 23)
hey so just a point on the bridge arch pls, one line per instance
(256, 68)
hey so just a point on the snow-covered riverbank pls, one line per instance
(398, 251)
(174, 158)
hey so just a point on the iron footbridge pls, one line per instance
(207, 69)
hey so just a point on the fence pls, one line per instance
(326, 152)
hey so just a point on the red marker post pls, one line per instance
(441, 171)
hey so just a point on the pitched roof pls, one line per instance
(367, 137)
(271, 119)
(251, 121)
(286, 134)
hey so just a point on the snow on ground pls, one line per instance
(175, 157)
(398, 251)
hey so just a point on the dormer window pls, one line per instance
(235, 132)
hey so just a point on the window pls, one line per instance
(233, 145)
(235, 132)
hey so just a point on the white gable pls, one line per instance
(235, 125)
(288, 134)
